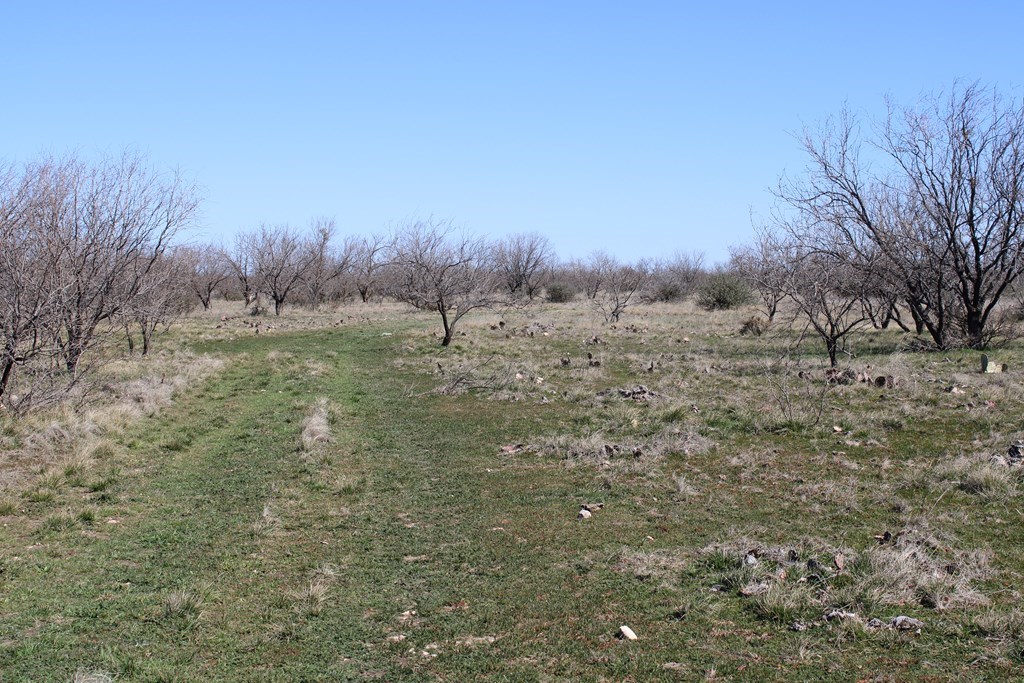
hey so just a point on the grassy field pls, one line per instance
(338, 498)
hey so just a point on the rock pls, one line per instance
(875, 623)
(884, 538)
(813, 564)
(592, 507)
(750, 559)
(1015, 453)
(626, 633)
(839, 561)
(904, 623)
(584, 514)
(798, 626)
(396, 638)
(752, 589)
(792, 555)
(840, 615)
(955, 390)
(566, 362)
(513, 448)
(990, 367)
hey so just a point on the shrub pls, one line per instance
(560, 292)
(722, 291)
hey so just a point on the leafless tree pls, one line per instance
(326, 261)
(29, 289)
(243, 259)
(442, 270)
(620, 284)
(369, 263)
(165, 296)
(282, 260)
(762, 265)
(79, 246)
(826, 294)
(121, 218)
(677, 277)
(946, 212)
(205, 268)
(523, 261)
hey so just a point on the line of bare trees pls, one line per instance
(83, 256)
(918, 224)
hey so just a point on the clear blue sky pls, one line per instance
(638, 128)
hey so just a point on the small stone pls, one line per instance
(753, 589)
(839, 561)
(626, 633)
(798, 626)
(875, 623)
(904, 623)
(750, 559)
(584, 514)
(840, 615)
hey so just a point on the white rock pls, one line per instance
(584, 514)
(626, 633)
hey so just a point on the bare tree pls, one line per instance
(281, 262)
(825, 291)
(763, 266)
(677, 277)
(441, 270)
(121, 218)
(326, 262)
(523, 261)
(243, 260)
(29, 289)
(78, 249)
(946, 213)
(369, 263)
(620, 284)
(165, 296)
(204, 268)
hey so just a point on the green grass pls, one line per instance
(210, 544)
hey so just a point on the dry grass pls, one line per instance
(316, 427)
(89, 676)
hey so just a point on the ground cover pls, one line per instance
(341, 499)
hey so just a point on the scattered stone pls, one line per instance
(396, 638)
(626, 633)
(798, 626)
(904, 623)
(594, 341)
(674, 666)
(841, 615)
(472, 641)
(750, 559)
(955, 390)
(792, 555)
(989, 366)
(513, 448)
(886, 382)
(839, 561)
(875, 623)
(837, 376)
(813, 564)
(592, 507)
(883, 538)
(752, 589)
(637, 393)
(584, 514)
(837, 429)
(416, 558)
(1015, 453)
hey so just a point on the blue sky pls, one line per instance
(637, 128)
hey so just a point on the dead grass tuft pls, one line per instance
(316, 428)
